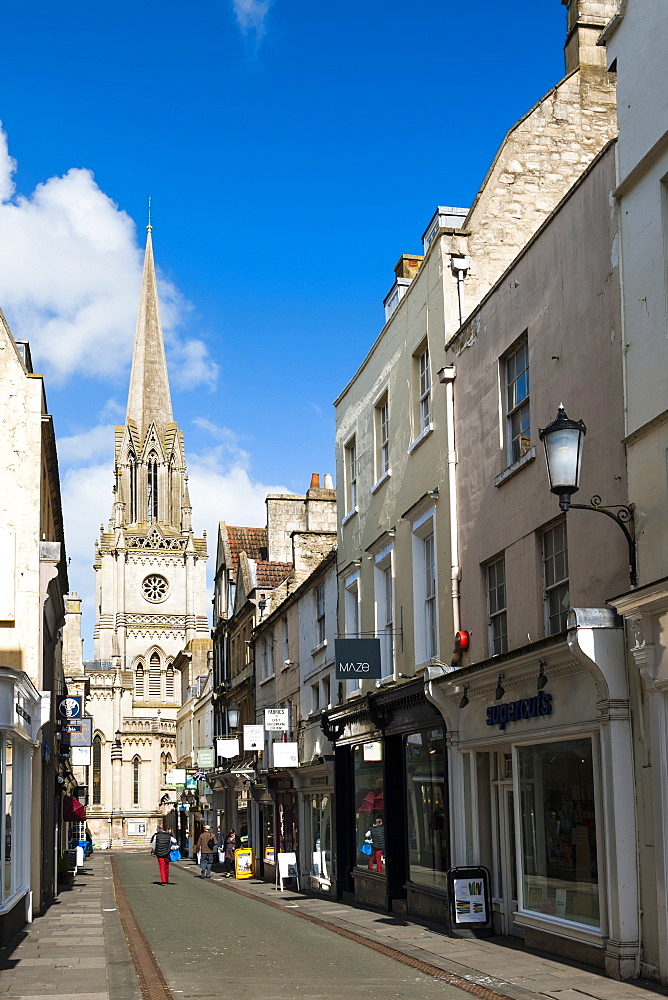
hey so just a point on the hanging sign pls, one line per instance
(81, 733)
(176, 777)
(80, 756)
(276, 720)
(357, 659)
(205, 757)
(228, 748)
(253, 737)
(69, 708)
(286, 754)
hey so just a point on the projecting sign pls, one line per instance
(228, 748)
(357, 659)
(286, 754)
(253, 737)
(80, 756)
(276, 720)
(68, 708)
(205, 758)
(81, 732)
(176, 777)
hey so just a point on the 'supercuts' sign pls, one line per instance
(357, 659)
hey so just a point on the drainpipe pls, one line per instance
(447, 376)
(460, 267)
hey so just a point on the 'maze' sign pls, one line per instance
(357, 659)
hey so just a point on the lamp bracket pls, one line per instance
(618, 512)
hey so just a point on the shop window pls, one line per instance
(558, 829)
(97, 771)
(496, 607)
(269, 821)
(369, 805)
(321, 837)
(7, 758)
(428, 834)
(555, 577)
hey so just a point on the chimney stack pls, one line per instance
(315, 480)
(329, 482)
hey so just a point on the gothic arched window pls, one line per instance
(154, 678)
(152, 488)
(132, 462)
(169, 682)
(139, 682)
(97, 771)
(135, 781)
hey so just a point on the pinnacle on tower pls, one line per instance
(149, 398)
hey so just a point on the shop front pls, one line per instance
(315, 787)
(542, 791)
(392, 816)
(20, 709)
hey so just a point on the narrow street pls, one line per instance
(211, 942)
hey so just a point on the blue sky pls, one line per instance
(292, 150)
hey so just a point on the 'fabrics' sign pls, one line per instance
(518, 711)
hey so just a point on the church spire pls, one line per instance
(149, 398)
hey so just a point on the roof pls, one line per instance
(271, 574)
(252, 541)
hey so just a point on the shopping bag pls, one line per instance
(366, 848)
(175, 854)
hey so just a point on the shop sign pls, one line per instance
(81, 733)
(286, 754)
(373, 751)
(205, 758)
(520, 710)
(253, 737)
(69, 708)
(357, 658)
(276, 720)
(176, 777)
(228, 748)
(80, 756)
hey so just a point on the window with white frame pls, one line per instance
(424, 388)
(262, 655)
(285, 643)
(320, 614)
(315, 697)
(326, 692)
(555, 577)
(351, 475)
(351, 613)
(518, 425)
(425, 590)
(382, 436)
(270, 654)
(384, 602)
(496, 606)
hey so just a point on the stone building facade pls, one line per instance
(150, 598)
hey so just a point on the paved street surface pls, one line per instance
(219, 938)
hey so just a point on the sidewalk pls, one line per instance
(77, 950)
(500, 964)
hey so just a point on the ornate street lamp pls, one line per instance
(563, 440)
(232, 719)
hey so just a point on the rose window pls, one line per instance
(155, 588)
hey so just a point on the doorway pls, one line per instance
(506, 875)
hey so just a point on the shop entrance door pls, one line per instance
(507, 855)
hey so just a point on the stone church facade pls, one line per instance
(150, 601)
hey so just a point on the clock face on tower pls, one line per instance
(155, 588)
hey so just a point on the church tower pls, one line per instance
(150, 599)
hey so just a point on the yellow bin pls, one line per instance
(243, 862)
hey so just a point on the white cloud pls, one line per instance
(70, 272)
(251, 16)
(79, 449)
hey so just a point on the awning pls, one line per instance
(73, 811)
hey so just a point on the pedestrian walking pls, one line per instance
(232, 842)
(206, 846)
(162, 843)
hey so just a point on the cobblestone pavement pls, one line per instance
(214, 937)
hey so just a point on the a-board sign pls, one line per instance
(243, 862)
(357, 659)
(469, 897)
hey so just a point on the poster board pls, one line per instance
(468, 889)
(287, 867)
(243, 862)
